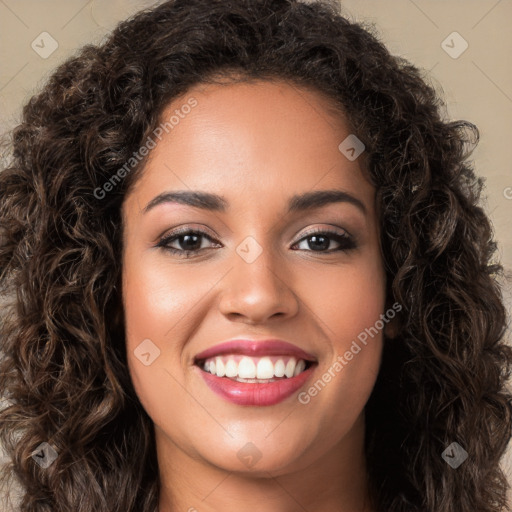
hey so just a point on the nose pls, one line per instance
(255, 291)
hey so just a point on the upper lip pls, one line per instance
(268, 347)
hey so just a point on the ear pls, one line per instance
(393, 326)
(391, 329)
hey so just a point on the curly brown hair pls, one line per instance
(64, 368)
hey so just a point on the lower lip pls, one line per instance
(243, 393)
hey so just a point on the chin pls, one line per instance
(258, 457)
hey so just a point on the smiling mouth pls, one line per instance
(255, 381)
(266, 369)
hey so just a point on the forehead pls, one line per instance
(260, 137)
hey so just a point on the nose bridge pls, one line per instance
(255, 289)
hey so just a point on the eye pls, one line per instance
(320, 239)
(188, 241)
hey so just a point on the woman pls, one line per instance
(248, 269)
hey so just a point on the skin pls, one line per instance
(257, 144)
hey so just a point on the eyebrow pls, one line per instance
(217, 203)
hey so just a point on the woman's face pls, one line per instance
(254, 272)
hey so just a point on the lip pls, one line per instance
(255, 394)
(269, 347)
(244, 393)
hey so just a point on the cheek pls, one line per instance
(349, 304)
(160, 302)
(349, 299)
(155, 309)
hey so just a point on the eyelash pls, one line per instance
(346, 241)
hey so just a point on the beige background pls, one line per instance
(477, 85)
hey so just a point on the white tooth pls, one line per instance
(301, 365)
(206, 366)
(246, 368)
(279, 368)
(231, 368)
(219, 367)
(290, 367)
(265, 368)
(212, 367)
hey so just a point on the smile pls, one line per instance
(257, 373)
(254, 368)
(252, 381)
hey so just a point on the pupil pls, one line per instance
(315, 239)
(187, 240)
